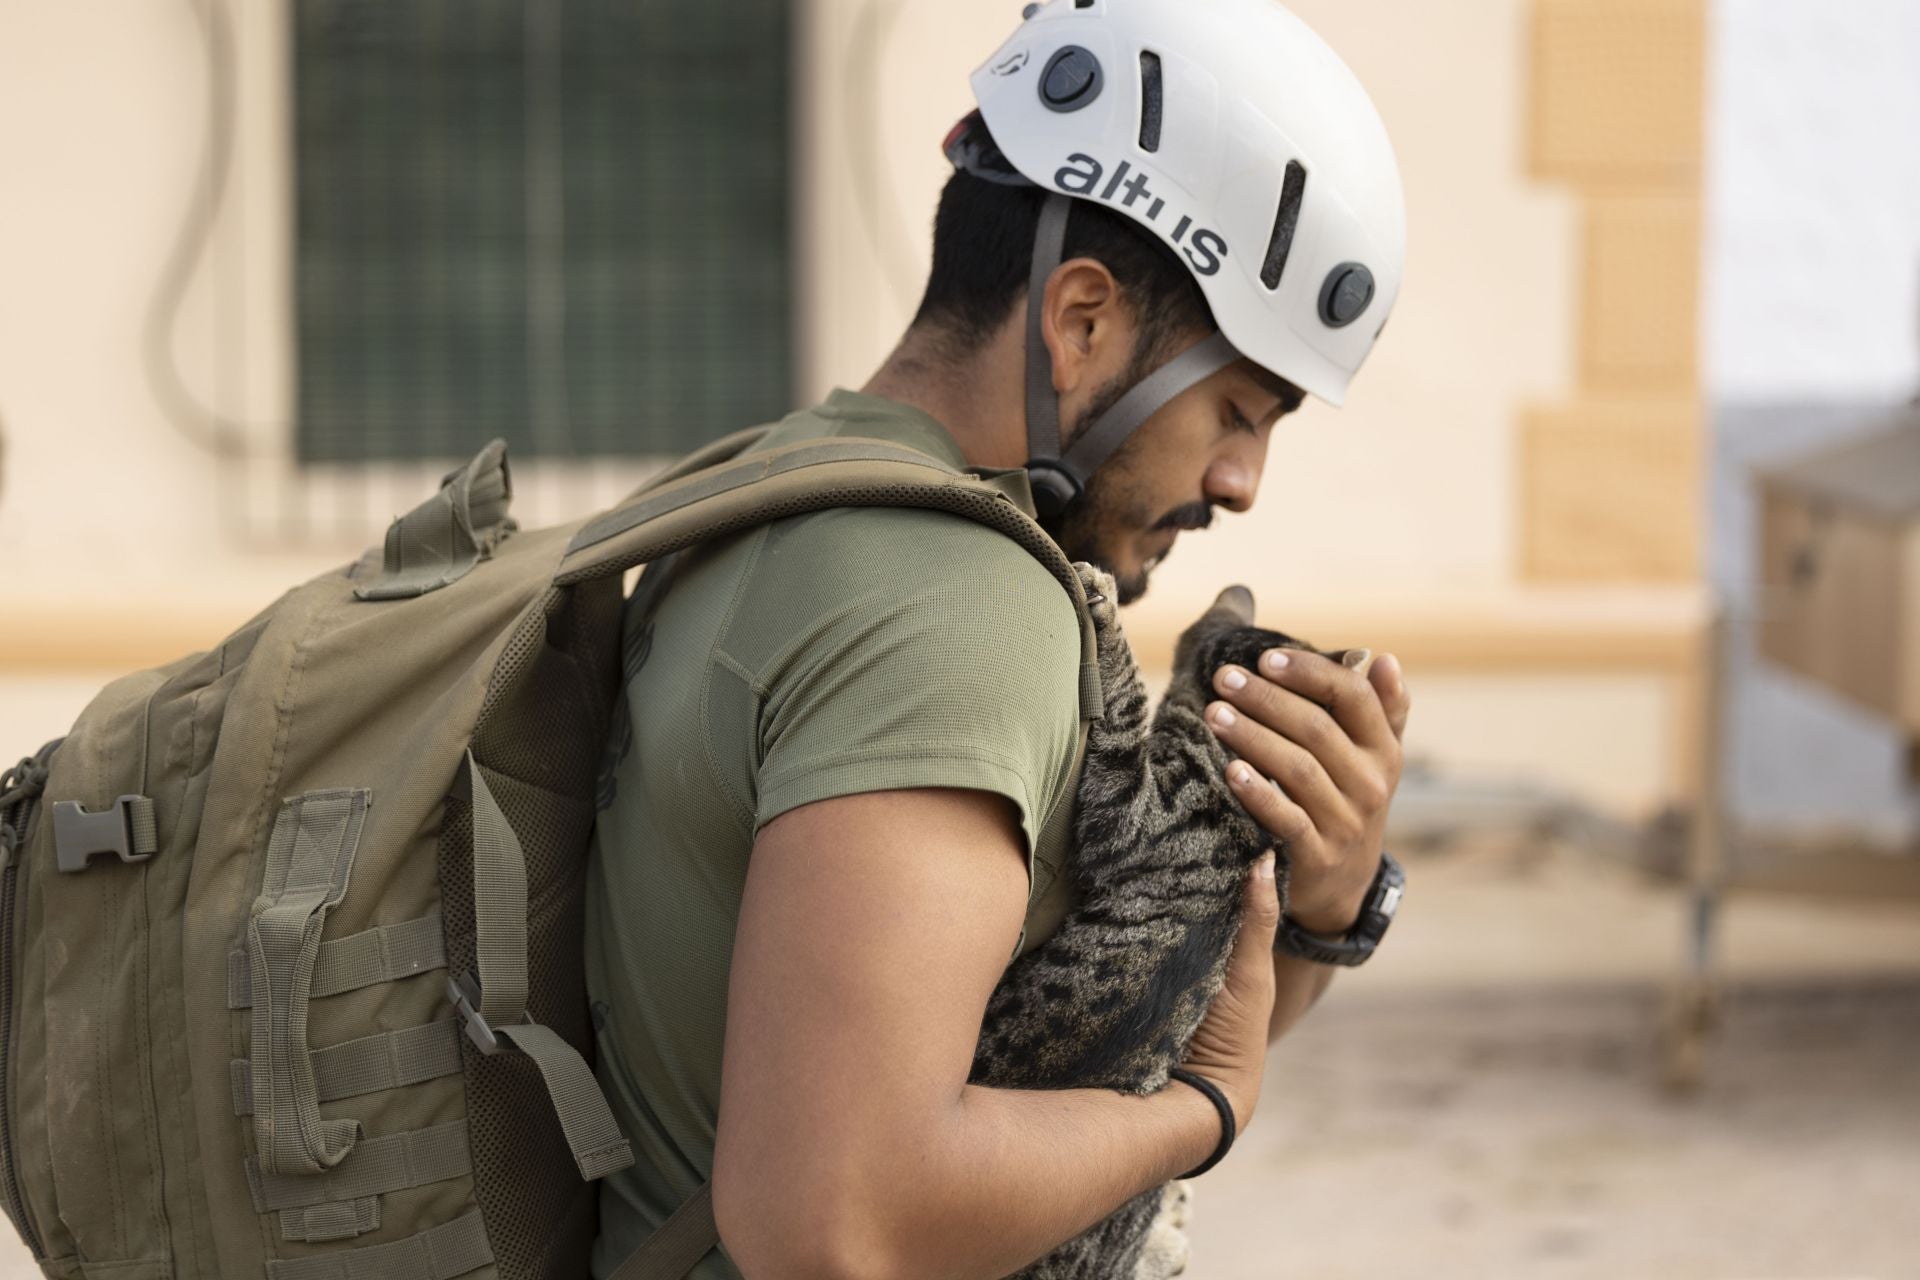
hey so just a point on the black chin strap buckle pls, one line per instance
(1053, 487)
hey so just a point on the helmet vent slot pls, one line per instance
(1149, 101)
(1284, 222)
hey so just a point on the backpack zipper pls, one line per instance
(9, 891)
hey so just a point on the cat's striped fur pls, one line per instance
(1162, 851)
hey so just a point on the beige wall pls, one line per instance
(1392, 518)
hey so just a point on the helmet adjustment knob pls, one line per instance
(1072, 79)
(1347, 292)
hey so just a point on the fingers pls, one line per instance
(1391, 684)
(1348, 696)
(1267, 804)
(1293, 741)
(1250, 968)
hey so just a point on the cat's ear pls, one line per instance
(1236, 602)
(1360, 660)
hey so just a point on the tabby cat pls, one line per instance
(1162, 852)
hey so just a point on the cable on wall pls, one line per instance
(201, 423)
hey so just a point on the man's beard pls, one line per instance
(1108, 508)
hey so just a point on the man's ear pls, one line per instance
(1086, 325)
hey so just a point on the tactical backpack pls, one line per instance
(290, 966)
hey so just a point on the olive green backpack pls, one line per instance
(290, 968)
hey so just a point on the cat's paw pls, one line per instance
(1166, 1252)
(1103, 597)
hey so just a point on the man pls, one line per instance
(853, 732)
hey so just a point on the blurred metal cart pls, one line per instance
(1838, 603)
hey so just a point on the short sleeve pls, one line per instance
(951, 661)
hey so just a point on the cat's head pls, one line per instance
(1225, 634)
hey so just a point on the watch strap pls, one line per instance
(1381, 904)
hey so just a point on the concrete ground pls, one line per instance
(1483, 1101)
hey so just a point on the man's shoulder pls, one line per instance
(921, 558)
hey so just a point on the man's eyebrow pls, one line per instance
(1290, 396)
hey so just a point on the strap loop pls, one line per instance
(592, 1133)
(319, 1223)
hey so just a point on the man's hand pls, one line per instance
(1319, 759)
(1230, 1047)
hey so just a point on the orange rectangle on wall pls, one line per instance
(1611, 491)
(1617, 91)
(1641, 293)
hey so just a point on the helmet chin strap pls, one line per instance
(1058, 478)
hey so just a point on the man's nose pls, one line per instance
(1233, 481)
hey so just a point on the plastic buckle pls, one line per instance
(122, 830)
(464, 992)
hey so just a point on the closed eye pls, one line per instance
(1238, 420)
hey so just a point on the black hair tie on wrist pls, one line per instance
(1220, 1104)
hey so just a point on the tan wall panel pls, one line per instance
(1641, 287)
(1617, 91)
(1611, 492)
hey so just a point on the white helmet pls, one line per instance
(1232, 131)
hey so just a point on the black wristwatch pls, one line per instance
(1383, 899)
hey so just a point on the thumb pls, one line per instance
(1253, 951)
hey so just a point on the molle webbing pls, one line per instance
(386, 1060)
(441, 1253)
(376, 1166)
(382, 954)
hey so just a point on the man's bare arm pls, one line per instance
(872, 931)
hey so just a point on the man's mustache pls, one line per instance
(1194, 515)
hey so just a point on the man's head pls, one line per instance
(1118, 307)
(1202, 209)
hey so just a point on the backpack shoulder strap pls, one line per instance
(734, 490)
(814, 475)
(688, 1235)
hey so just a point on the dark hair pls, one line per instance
(983, 255)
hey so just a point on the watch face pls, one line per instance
(1389, 900)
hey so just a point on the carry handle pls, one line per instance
(441, 540)
(310, 856)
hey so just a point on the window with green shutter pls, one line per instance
(564, 222)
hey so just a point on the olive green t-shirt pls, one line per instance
(851, 650)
